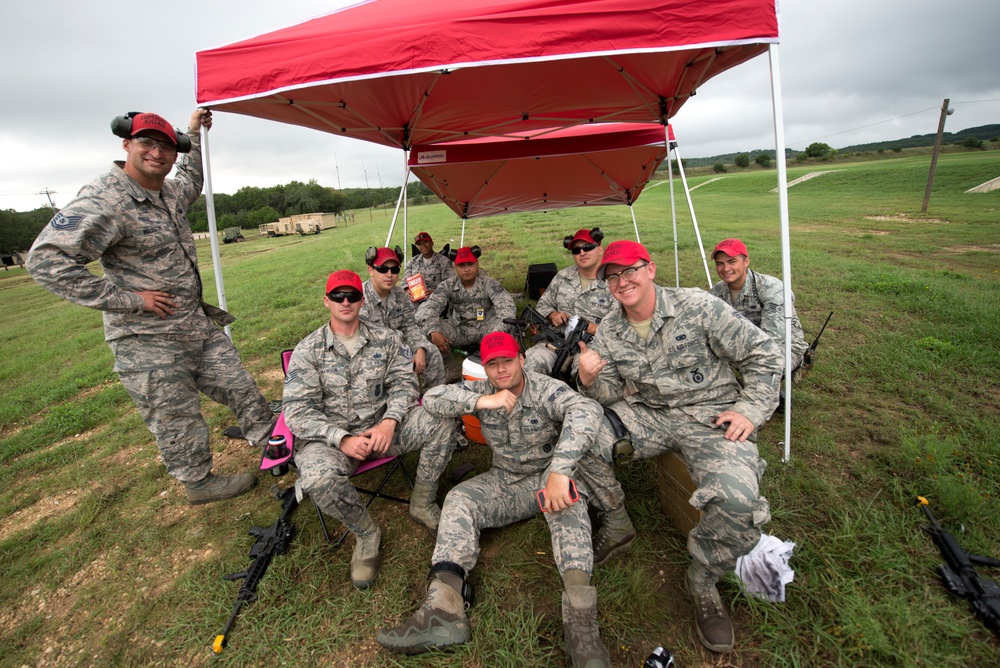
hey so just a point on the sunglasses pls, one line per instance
(148, 143)
(585, 248)
(339, 297)
(385, 268)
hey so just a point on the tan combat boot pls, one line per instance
(365, 560)
(423, 506)
(615, 535)
(581, 637)
(715, 628)
(216, 487)
(439, 622)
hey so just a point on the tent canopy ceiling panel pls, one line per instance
(582, 166)
(399, 72)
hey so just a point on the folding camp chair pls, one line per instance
(394, 463)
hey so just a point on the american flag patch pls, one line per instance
(61, 222)
(292, 375)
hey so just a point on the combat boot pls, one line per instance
(581, 637)
(715, 628)
(365, 560)
(439, 622)
(423, 508)
(616, 534)
(216, 487)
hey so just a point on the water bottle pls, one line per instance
(660, 658)
(277, 449)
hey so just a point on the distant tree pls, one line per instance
(897, 149)
(818, 150)
(742, 160)
(994, 140)
(763, 159)
(719, 168)
(972, 142)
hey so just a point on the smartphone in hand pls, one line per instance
(574, 495)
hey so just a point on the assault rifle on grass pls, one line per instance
(271, 540)
(959, 575)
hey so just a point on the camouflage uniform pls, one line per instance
(668, 392)
(551, 428)
(565, 293)
(434, 271)
(146, 245)
(762, 302)
(465, 326)
(398, 313)
(330, 394)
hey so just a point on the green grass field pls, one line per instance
(104, 564)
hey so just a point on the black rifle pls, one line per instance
(959, 575)
(270, 541)
(569, 347)
(544, 332)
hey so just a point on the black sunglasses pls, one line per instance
(339, 297)
(585, 248)
(383, 268)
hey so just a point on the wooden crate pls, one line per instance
(674, 483)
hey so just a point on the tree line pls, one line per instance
(249, 207)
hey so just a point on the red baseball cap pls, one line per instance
(731, 247)
(465, 255)
(422, 236)
(498, 344)
(156, 122)
(383, 255)
(624, 253)
(345, 278)
(582, 235)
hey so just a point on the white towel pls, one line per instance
(765, 572)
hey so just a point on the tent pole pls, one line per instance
(406, 179)
(631, 209)
(395, 214)
(786, 252)
(461, 243)
(213, 230)
(673, 204)
(694, 219)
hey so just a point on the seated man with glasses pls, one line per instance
(388, 306)
(351, 395)
(662, 360)
(575, 290)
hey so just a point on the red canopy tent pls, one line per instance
(401, 73)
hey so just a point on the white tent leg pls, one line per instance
(694, 219)
(213, 230)
(631, 210)
(392, 225)
(406, 178)
(461, 243)
(786, 252)
(673, 205)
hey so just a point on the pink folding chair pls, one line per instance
(394, 463)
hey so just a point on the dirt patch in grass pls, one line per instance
(990, 248)
(44, 508)
(902, 217)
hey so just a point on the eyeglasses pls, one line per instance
(626, 274)
(384, 268)
(585, 248)
(149, 144)
(339, 297)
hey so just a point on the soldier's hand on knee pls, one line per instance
(355, 447)
(420, 361)
(504, 399)
(739, 428)
(442, 343)
(557, 496)
(380, 436)
(590, 365)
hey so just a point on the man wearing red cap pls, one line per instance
(388, 306)
(476, 305)
(662, 362)
(351, 395)
(433, 267)
(167, 341)
(574, 291)
(539, 430)
(759, 297)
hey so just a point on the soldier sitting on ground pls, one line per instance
(540, 431)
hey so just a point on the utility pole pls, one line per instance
(337, 165)
(945, 112)
(49, 193)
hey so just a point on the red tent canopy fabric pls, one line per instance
(399, 72)
(582, 166)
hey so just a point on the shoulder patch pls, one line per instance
(61, 222)
(292, 375)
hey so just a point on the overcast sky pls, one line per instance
(852, 71)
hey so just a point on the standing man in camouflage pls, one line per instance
(433, 267)
(387, 305)
(351, 395)
(167, 342)
(759, 297)
(575, 290)
(476, 303)
(539, 430)
(662, 362)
